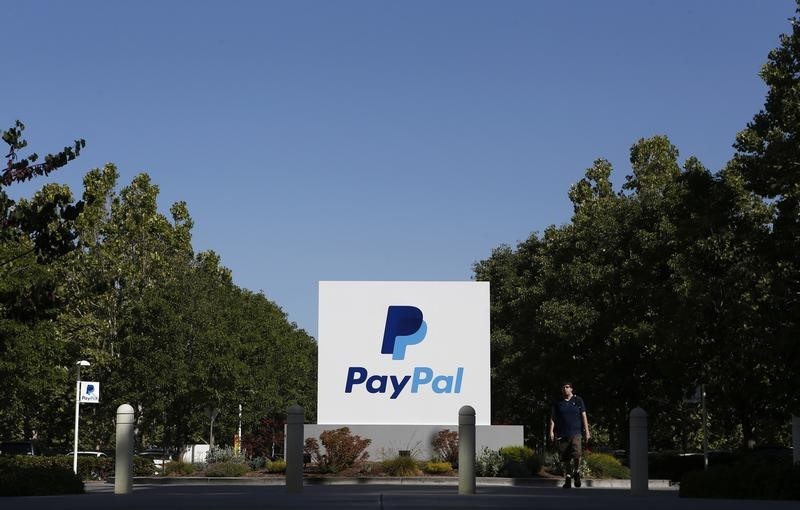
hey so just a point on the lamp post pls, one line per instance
(705, 425)
(81, 363)
(238, 445)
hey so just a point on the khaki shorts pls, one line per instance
(569, 448)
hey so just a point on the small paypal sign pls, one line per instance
(89, 392)
(404, 327)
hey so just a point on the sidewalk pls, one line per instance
(100, 496)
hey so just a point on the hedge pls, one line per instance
(20, 477)
(752, 478)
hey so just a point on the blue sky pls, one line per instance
(376, 140)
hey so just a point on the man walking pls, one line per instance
(567, 419)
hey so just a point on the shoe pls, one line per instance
(567, 482)
(577, 479)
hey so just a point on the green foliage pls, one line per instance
(143, 466)
(179, 468)
(257, 463)
(768, 162)
(19, 477)
(266, 439)
(219, 454)
(45, 225)
(636, 293)
(276, 466)
(89, 468)
(437, 467)
(750, 479)
(519, 461)
(34, 235)
(672, 466)
(603, 465)
(94, 468)
(19, 170)
(401, 466)
(342, 450)
(165, 329)
(488, 462)
(445, 444)
(226, 469)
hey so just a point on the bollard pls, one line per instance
(796, 439)
(638, 452)
(123, 465)
(294, 449)
(466, 450)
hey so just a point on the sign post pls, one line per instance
(81, 363)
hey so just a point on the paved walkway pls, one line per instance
(100, 496)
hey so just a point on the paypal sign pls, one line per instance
(404, 327)
(403, 352)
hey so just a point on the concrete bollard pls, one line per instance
(294, 449)
(123, 465)
(638, 452)
(466, 450)
(796, 439)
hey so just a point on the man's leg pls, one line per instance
(565, 450)
(576, 456)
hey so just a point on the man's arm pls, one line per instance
(552, 429)
(585, 425)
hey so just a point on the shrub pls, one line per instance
(176, 467)
(751, 478)
(143, 466)
(89, 468)
(224, 454)
(401, 466)
(267, 440)
(519, 461)
(440, 467)
(603, 465)
(672, 465)
(488, 463)
(276, 466)
(367, 469)
(94, 468)
(342, 450)
(257, 463)
(556, 467)
(20, 477)
(445, 444)
(226, 469)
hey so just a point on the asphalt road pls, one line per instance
(376, 497)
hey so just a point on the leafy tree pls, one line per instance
(46, 223)
(168, 330)
(638, 298)
(768, 158)
(34, 234)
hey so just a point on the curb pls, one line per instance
(393, 480)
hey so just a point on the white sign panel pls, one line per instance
(90, 392)
(403, 352)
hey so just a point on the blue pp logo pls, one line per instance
(404, 327)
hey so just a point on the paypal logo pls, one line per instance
(404, 327)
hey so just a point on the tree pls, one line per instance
(167, 330)
(34, 234)
(48, 224)
(768, 158)
(641, 296)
